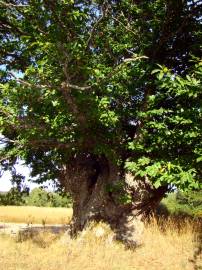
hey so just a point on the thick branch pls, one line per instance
(71, 102)
(68, 85)
(77, 87)
(25, 83)
(42, 143)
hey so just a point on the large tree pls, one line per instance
(104, 97)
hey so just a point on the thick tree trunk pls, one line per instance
(100, 192)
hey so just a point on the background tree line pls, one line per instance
(176, 203)
(37, 197)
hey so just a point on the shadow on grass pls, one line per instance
(42, 236)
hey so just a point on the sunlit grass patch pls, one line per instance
(32, 214)
(162, 250)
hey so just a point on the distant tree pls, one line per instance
(38, 197)
(191, 198)
(59, 200)
(105, 97)
(182, 204)
(14, 197)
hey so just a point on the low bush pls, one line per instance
(182, 204)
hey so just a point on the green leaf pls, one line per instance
(155, 71)
(160, 75)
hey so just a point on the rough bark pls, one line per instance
(99, 189)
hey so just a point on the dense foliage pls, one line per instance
(115, 78)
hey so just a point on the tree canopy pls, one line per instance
(120, 79)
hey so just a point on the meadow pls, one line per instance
(35, 215)
(168, 245)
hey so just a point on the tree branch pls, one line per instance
(126, 27)
(7, 25)
(76, 87)
(66, 84)
(124, 61)
(71, 102)
(96, 24)
(10, 5)
(5, 140)
(25, 83)
(48, 143)
(37, 143)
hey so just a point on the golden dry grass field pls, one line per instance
(171, 246)
(33, 214)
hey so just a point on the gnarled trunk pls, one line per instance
(100, 192)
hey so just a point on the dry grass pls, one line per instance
(172, 248)
(33, 215)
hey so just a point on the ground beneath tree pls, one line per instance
(162, 250)
(14, 228)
